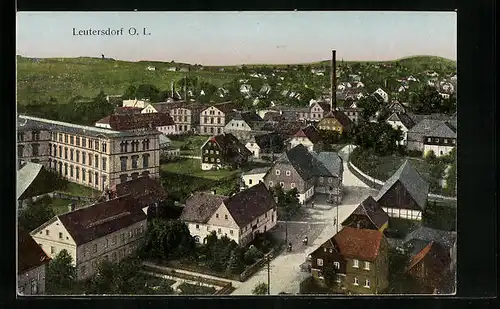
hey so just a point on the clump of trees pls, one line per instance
(288, 202)
(36, 213)
(168, 239)
(378, 136)
(426, 100)
(61, 274)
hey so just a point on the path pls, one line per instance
(315, 223)
(190, 157)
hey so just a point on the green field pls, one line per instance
(189, 145)
(192, 167)
(65, 78)
(79, 190)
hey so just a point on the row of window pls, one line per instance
(135, 160)
(115, 257)
(114, 241)
(438, 140)
(75, 156)
(74, 172)
(134, 145)
(206, 159)
(180, 118)
(35, 136)
(355, 263)
(282, 184)
(212, 130)
(211, 113)
(179, 112)
(124, 177)
(210, 120)
(211, 151)
(80, 141)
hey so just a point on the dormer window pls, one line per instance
(287, 173)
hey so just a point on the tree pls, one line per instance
(235, 263)
(260, 289)
(61, 274)
(330, 274)
(130, 92)
(36, 214)
(169, 239)
(370, 106)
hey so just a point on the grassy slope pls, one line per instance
(64, 78)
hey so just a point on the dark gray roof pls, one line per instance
(309, 165)
(404, 118)
(436, 116)
(200, 206)
(411, 179)
(423, 233)
(332, 161)
(259, 170)
(372, 210)
(250, 204)
(444, 129)
(424, 126)
(28, 123)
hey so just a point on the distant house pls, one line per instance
(162, 107)
(135, 103)
(167, 150)
(223, 150)
(253, 177)
(404, 194)
(396, 107)
(158, 121)
(266, 145)
(401, 121)
(368, 215)
(107, 231)
(336, 121)
(381, 94)
(283, 127)
(172, 69)
(214, 118)
(432, 256)
(298, 168)
(309, 137)
(243, 123)
(186, 117)
(318, 110)
(424, 127)
(32, 265)
(150, 68)
(441, 140)
(240, 217)
(359, 257)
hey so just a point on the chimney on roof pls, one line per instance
(333, 79)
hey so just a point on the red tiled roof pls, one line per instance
(30, 255)
(137, 121)
(127, 110)
(360, 244)
(439, 256)
(310, 132)
(98, 220)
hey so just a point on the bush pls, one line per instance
(252, 254)
(414, 153)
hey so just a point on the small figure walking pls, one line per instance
(289, 247)
(312, 204)
(335, 221)
(305, 241)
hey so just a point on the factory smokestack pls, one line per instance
(333, 79)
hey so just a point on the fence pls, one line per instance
(226, 286)
(65, 196)
(377, 184)
(252, 269)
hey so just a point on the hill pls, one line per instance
(57, 80)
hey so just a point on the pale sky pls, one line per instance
(231, 38)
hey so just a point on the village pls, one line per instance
(343, 190)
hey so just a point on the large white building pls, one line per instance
(109, 231)
(90, 156)
(239, 217)
(401, 121)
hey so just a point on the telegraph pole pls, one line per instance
(268, 275)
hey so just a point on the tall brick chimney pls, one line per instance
(333, 79)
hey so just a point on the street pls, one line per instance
(315, 223)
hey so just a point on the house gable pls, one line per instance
(397, 196)
(218, 218)
(58, 237)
